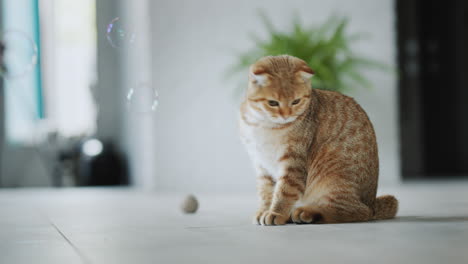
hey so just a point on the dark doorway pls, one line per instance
(433, 87)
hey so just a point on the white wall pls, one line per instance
(197, 147)
(120, 69)
(138, 132)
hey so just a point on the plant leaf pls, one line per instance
(327, 48)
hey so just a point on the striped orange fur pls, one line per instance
(312, 148)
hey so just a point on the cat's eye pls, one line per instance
(295, 102)
(273, 103)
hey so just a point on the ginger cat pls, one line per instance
(312, 148)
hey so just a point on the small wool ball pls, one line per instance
(190, 204)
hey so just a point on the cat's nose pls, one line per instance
(286, 113)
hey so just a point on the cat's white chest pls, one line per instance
(264, 148)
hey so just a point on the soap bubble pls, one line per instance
(142, 99)
(18, 54)
(118, 34)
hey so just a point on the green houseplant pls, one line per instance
(326, 48)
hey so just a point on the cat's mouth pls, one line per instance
(282, 120)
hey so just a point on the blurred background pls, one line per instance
(146, 93)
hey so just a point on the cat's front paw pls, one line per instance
(258, 216)
(273, 218)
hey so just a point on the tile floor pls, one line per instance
(125, 226)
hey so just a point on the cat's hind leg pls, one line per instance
(332, 212)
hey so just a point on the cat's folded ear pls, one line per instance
(258, 75)
(306, 72)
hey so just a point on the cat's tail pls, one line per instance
(386, 207)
